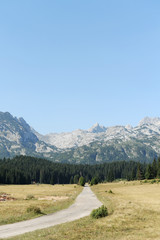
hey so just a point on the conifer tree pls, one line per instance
(154, 168)
(139, 174)
(71, 180)
(158, 168)
(76, 178)
(149, 172)
(81, 181)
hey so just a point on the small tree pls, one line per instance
(81, 181)
(110, 177)
(52, 179)
(140, 175)
(76, 178)
(71, 180)
(158, 168)
(149, 172)
(154, 168)
(94, 181)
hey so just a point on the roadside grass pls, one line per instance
(134, 213)
(27, 197)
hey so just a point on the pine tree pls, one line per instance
(94, 181)
(76, 178)
(158, 168)
(110, 176)
(139, 174)
(41, 178)
(52, 179)
(154, 168)
(149, 172)
(81, 181)
(71, 180)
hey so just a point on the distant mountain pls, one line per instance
(101, 144)
(150, 121)
(95, 145)
(96, 128)
(147, 132)
(17, 138)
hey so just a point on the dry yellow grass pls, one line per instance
(134, 214)
(134, 209)
(13, 211)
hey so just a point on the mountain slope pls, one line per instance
(101, 144)
(17, 138)
(148, 132)
(95, 145)
(116, 150)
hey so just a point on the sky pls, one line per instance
(65, 65)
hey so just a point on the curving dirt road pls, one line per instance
(84, 204)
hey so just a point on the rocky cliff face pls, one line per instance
(17, 137)
(148, 132)
(97, 144)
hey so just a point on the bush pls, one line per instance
(29, 197)
(145, 181)
(110, 191)
(153, 181)
(34, 209)
(100, 212)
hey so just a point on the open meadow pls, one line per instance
(21, 202)
(134, 214)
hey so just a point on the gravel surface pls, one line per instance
(84, 204)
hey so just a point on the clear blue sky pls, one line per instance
(69, 64)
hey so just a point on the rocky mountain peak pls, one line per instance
(148, 120)
(96, 128)
(99, 143)
(5, 116)
(24, 124)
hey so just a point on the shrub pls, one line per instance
(110, 191)
(100, 212)
(29, 197)
(153, 181)
(34, 209)
(145, 181)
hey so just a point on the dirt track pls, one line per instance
(84, 204)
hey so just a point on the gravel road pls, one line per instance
(84, 204)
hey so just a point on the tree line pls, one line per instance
(27, 170)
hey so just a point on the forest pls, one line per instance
(27, 170)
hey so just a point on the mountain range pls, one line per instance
(95, 145)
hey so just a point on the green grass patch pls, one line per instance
(34, 209)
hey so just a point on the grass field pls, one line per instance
(48, 198)
(134, 214)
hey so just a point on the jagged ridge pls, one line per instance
(97, 144)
